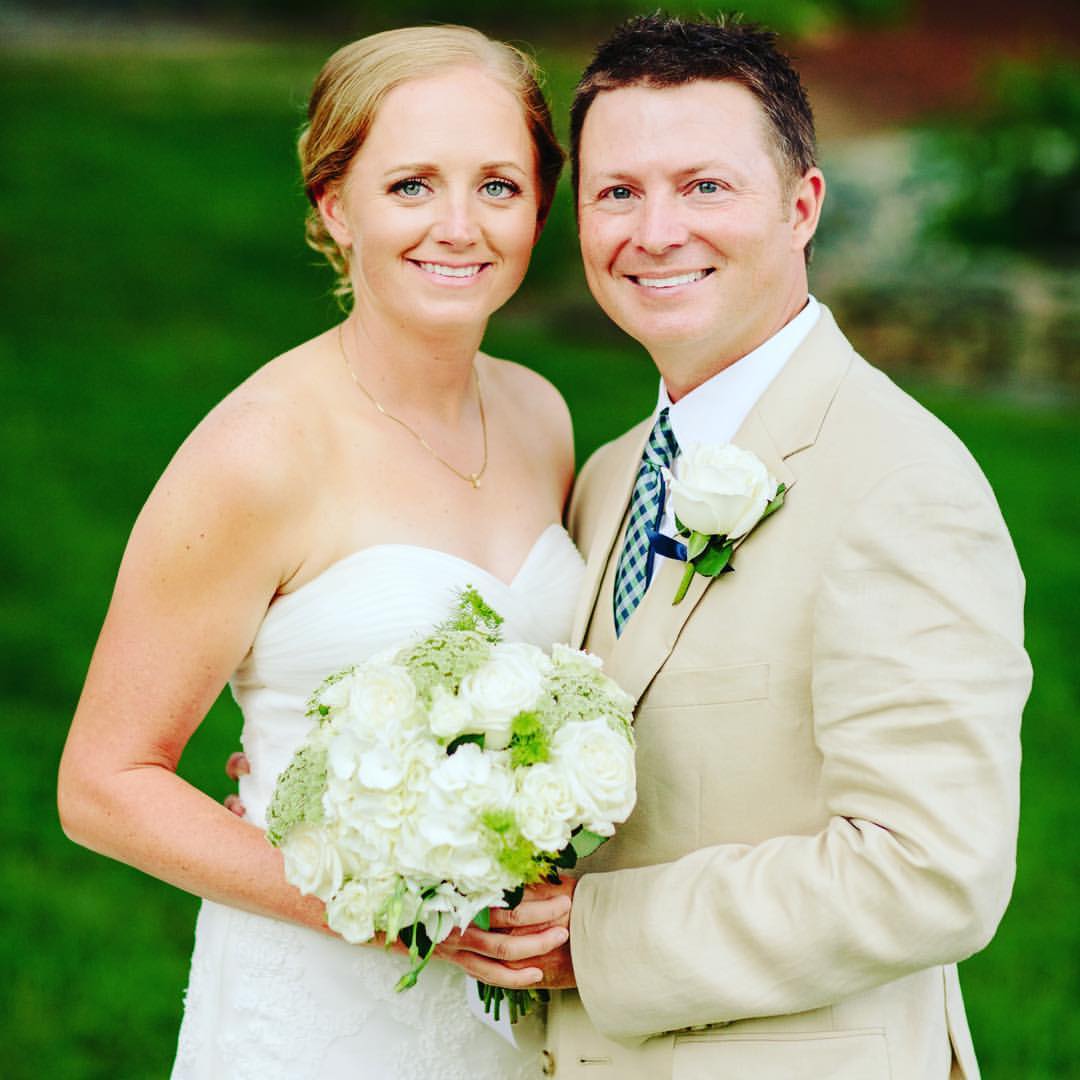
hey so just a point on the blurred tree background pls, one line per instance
(150, 225)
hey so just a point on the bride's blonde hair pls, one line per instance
(353, 82)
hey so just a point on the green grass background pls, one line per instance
(151, 257)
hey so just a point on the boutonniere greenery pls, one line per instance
(719, 494)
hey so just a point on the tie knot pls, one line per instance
(662, 446)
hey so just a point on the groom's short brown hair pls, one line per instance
(660, 51)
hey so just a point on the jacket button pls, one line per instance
(547, 1063)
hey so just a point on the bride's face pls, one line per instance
(439, 205)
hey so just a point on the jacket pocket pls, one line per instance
(837, 1055)
(695, 687)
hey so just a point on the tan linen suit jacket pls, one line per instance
(828, 757)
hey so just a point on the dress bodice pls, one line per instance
(268, 1000)
(375, 598)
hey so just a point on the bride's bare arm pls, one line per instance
(219, 535)
(205, 558)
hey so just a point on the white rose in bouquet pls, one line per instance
(353, 909)
(546, 806)
(508, 684)
(313, 861)
(384, 696)
(597, 763)
(449, 715)
(720, 490)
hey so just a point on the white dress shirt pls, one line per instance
(714, 411)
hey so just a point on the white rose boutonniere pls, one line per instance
(719, 493)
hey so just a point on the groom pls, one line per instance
(827, 737)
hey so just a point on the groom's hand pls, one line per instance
(515, 958)
(235, 767)
(533, 913)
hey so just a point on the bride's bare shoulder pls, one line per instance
(256, 451)
(534, 411)
(522, 390)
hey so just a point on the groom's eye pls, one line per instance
(618, 193)
(707, 187)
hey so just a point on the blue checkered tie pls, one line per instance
(646, 509)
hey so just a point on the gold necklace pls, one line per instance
(470, 478)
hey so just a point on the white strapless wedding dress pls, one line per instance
(269, 1000)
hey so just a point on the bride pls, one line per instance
(330, 506)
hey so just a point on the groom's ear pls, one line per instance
(806, 200)
(329, 204)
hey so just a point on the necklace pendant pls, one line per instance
(474, 479)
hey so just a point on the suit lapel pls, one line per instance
(786, 419)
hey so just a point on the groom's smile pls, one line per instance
(691, 235)
(670, 280)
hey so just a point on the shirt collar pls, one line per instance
(714, 411)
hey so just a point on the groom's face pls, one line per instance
(691, 239)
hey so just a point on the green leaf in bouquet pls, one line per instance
(567, 858)
(461, 740)
(513, 897)
(585, 842)
(483, 918)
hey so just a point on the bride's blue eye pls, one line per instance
(410, 188)
(618, 193)
(499, 189)
(707, 187)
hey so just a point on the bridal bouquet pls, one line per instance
(443, 777)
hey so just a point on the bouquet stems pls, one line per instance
(519, 1002)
